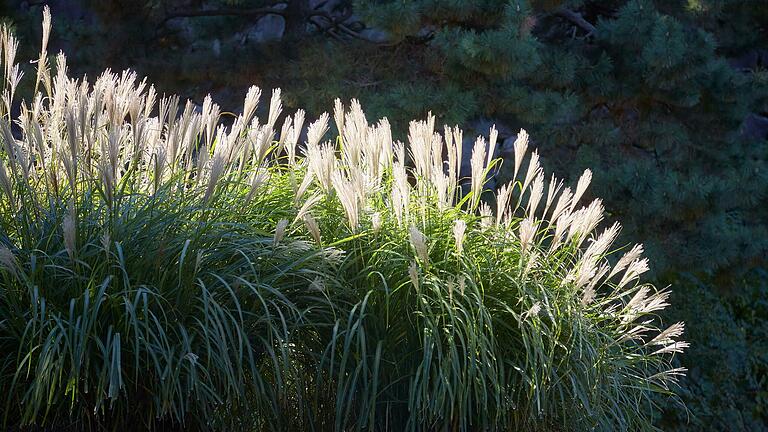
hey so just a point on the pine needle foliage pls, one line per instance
(162, 270)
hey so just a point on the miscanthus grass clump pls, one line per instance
(161, 270)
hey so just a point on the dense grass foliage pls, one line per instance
(159, 269)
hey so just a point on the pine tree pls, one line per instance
(643, 90)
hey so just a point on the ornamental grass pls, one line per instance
(162, 270)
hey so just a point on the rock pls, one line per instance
(755, 127)
(426, 31)
(354, 18)
(269, 28)
(482, 126)
(507, 149)
(751, 60)
(326, 5)
(376, 35)
(183, 29)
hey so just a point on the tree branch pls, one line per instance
(338, 24)
(335, 24)
(577, 19)
(256, 12)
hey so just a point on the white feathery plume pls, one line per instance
(73, 151)
(641, 304)
(582, 186)
(458, 141)
(503, 198)
(459, 230)
(293, 136)
(5, 182)
(413, 273)
(453, 157)
(322, 163)
(633, 272)
(251, 103)
(218, 163)
(376, 222)
(43, 151)
(168, 110)
(666, 337)
(70, 235)
(441, 182)
(148, 103)
(494, 136)
(377, 153)
(665, 377)
(385, 136)
(520, 146)
(338, 115)
(478, 170)
(308, 204)
(314, 229)
(317, 284)
(261, 139)
(486, 215)
(581, 274)
(8, 259)
(561, 226)
(533, 311)
(537, 191)
(419, 243)
(534, 169)
(673, 347)
(160, 157)
(588, 296)
(585, 220)
(450, 284)
(347, 193)
(563, 203)
(303, 186)
(589, 292)
(400, 187)
(656, 302)
(527, 232)
(285, 130)
(637, 332)
(355, 134)
(317, 129)
(626, 259)
(43, 74)
(420, 140)
(599, 246)
(275, 108)
(359, 186)
(11, 45)
(531, 263)
(635, 303)
(436, 153)
(259, 176)
(282, 224)
(209, 118)
(12, 72)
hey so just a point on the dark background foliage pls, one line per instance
(667, 102)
